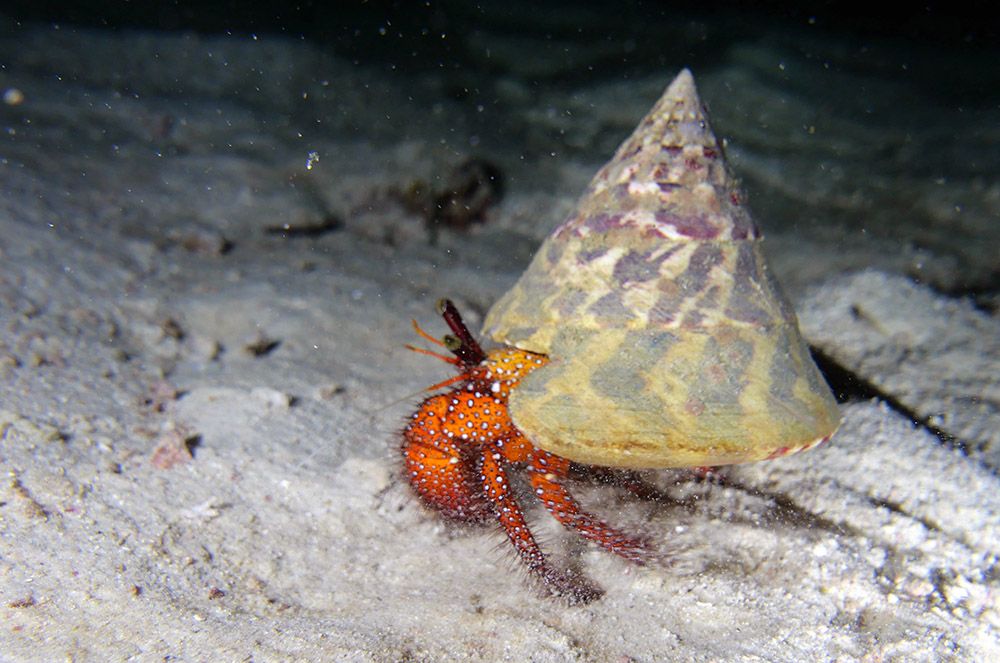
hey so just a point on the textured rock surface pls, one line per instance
(199, 418)
(937, 357)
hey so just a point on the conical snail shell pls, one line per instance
(670, 343)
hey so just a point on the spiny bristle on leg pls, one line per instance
(546, 472)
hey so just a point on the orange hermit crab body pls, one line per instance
(647, 332)
(460, 445)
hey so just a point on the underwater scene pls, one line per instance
(527, 331)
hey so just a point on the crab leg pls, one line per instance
(497, 489)
(546, 472)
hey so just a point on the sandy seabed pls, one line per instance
(200, 413)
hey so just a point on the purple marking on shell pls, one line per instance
(692, 320)
(701, 262)
(610, 308)
(567, 303)
(746, 273)
(693, 227)
(744, 311)
(743, 228)
(555, 250)
(636, 267)
(603, 223)
(742, 304)
(591, 254)
(710, 300)
(660, 172)
(781, 367)
(654, 233)
(661, 313)
(689, 284)
(620, 191)
(693, 164)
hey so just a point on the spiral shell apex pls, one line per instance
(670, 343)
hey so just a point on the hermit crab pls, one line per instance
(647, 332)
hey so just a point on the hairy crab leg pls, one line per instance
(546, 472)
(497, 489)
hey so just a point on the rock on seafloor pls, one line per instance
(936, 356)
